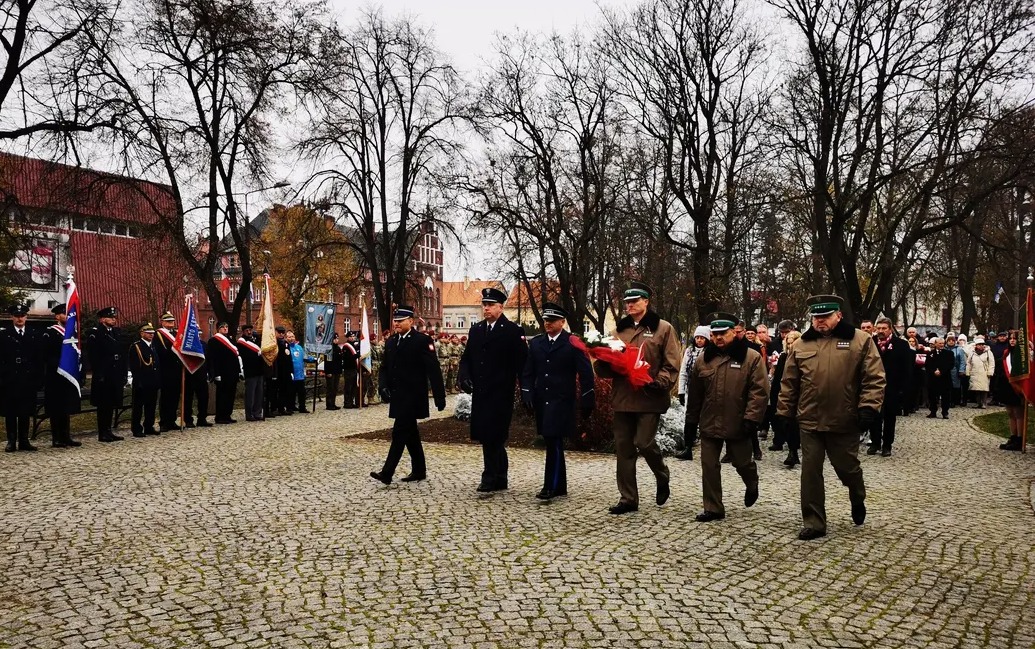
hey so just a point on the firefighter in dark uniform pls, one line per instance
(61, 397)
(409, 366)
(350, 371)
(550, 390)
(489, 369)
(224, 363)
(332, 370)
(20, 377)
(172, 373)
(146, 367)
(727, 397)
(108, 363)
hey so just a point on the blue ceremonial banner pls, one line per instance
(188, 345)
(319, 327)
(70, 365)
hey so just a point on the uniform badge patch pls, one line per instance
(648, 335)
(431, 347)
(735, 366)
(843, 344)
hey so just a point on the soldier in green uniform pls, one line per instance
(833, 385)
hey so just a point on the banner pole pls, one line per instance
(183, 395)
(359, 380)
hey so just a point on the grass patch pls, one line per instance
(998, 424)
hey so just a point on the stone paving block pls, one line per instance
(270, 534)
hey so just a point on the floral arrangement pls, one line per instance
(625, 360)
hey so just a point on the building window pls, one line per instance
(449, 323)
(346, 298)
(348, 325)
(460, 322)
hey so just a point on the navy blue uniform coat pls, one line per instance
(492, 363)
(408, 366)
(109, 363)
(548, 382)
(21, 371)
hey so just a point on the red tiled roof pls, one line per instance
(464, 293)
(41, 184)
(519, 296)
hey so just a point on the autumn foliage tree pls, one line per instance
(309, 259)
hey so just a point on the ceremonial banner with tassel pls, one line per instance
(267, 324)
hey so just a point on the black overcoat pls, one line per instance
(251, 359)
(106, 352)
(492, 363)
(548, 381)
(146, 366)
(21, 371)
(60, 396)
(332, 361)
(408, 366)
(898, 360)
(222, 360)
(171, 366)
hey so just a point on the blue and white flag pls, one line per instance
(70, 365)
(999, 292)
(188, 346)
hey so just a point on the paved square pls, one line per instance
(273, 535)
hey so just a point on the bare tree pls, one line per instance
(552, 130)
(883, 116)
(196, 85)
(694, 75)
(382, 131)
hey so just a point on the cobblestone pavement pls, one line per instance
(273, 535)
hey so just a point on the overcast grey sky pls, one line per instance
(465, 29)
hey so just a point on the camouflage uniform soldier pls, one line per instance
(442, 351)
(453, 365)
(376, 351)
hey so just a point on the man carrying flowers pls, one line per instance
(638, 409)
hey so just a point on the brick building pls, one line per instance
(103, 224)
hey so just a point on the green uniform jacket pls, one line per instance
(661, 349)
(725, 389)
(827, 380)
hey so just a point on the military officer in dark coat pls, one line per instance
(172, 373)
(107, 354)
(285, 368)
(224, 363)
(20, 377)
(408, 366)
(898, 360)
(61, 397)
(196, 389)
(146, 367)
(332, 370)
(489, 368)
(549, 389)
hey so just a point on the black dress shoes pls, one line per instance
(886, 453)
(873, 449)
(807, 534)
(303, 410)
(116, 438)
(190, 424)
(726, 459)
(140, 434)
(27, 447)
(106, 438)
(152, 432)
(686, 454)
(859, 512)
(413, 477)
(58, 445)
(545, 494)
(751, 495)
(204, 424)
(72, 443)
(663, 492)
(484, 488)
(708, 517)
(10, 448)
(381, 477)
(623, 508)
(333, 408)
(792, 460)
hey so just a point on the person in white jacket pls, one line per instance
(980, 368)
